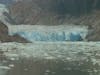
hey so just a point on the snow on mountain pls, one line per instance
(4, 15)
(3, 9)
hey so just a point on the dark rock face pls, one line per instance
(66, 6)
(4, 37)
(37, 9)
(94, 35)
(18, 38)
(3, 29)
(62, 6)
(8, 18)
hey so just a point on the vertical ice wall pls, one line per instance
(50, 33)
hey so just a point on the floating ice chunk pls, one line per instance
(4, 69)
(11, 65)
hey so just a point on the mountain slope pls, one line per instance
(50, 11)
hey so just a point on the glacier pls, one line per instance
(49, 33)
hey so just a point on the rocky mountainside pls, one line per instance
(50, 11)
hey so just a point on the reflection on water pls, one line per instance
(44, 67)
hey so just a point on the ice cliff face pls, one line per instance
(49, 33)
